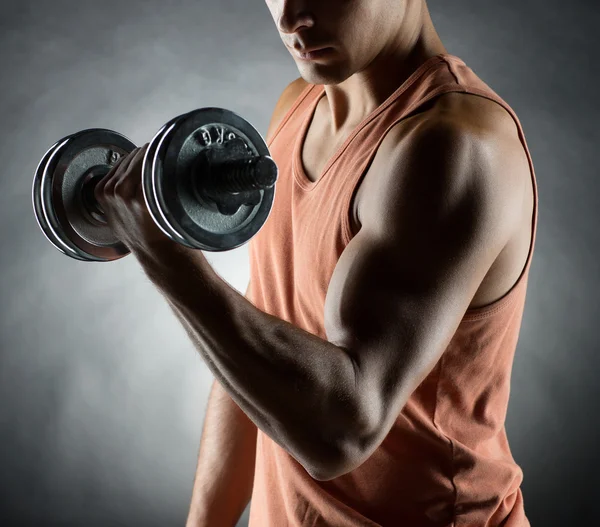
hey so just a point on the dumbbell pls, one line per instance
(207, 178)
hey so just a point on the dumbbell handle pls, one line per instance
(254, 173)
(88, 186)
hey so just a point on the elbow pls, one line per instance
(345, 457)
(320, 474)
(330, 470)
(353, 439)
(328, 464)
(337, 466)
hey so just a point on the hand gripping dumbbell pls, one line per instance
(207, 178)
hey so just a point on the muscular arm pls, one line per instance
(395, 299)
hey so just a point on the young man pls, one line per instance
(364, 380)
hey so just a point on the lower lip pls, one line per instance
(317, 54)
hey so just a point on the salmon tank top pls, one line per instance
(446, 460)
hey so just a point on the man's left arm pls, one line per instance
(397, 293)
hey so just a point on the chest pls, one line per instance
(317, 150)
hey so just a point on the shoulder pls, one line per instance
(286, 100)
(463, 149)
(458, 115)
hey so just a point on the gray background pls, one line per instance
(103, 396)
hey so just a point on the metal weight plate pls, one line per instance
(198, 223)
(38, 205)
(58, 200)
(160, 212)
(42, 201)
(156, 212)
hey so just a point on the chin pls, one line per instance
(326, 72)
(323, 74)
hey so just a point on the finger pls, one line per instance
(139, 189)
(100, 186)
(128, 180)
(123, 169)
(132, 156)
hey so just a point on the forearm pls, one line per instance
(296, 387)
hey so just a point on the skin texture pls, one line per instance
(397, 293)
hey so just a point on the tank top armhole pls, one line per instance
(303, 94)
(478, 313)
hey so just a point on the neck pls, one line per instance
(349, 102)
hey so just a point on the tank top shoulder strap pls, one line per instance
(302, 101)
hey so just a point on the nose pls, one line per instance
(292, 16)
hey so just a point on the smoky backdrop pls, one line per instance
(102, 393)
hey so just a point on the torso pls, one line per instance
(318, 149)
